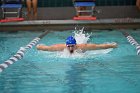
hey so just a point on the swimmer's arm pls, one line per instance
(97, 46)
(105, 46)
(58, 47)
(42, 47)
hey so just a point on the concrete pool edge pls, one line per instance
(34, 25)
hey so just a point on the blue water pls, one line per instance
(46, 72)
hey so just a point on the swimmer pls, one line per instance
(71, 46)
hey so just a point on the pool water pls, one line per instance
(48, 72)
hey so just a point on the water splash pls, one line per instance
(80, 36)
(66, 54)
(79, 54)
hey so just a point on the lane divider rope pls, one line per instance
(132, 41)
(21, 52)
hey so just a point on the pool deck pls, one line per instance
(118, 23)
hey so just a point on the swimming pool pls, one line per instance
(47, 72)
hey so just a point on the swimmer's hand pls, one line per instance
(38, 46)
(114, 44)
(109, 45)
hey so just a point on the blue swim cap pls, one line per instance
(70, 40)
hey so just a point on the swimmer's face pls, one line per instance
(71, 48)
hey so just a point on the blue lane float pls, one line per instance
(132, 41)
(20, 53)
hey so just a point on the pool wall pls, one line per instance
(63, 13)
(61, 18)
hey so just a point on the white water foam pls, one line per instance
(66, 54)
(81, 37)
